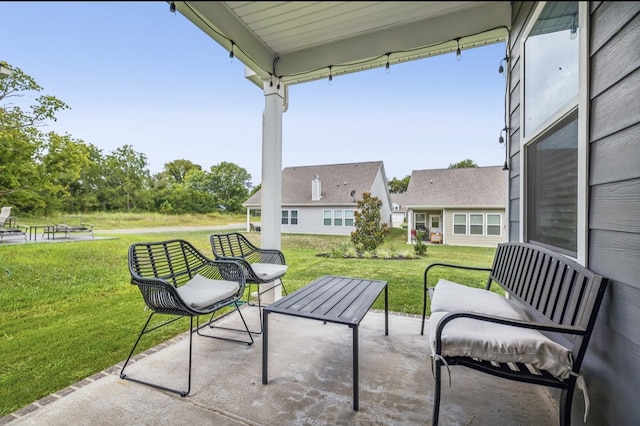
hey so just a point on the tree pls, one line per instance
(126, 179)
(369, 232)
(230, 185)
(464, 164)
(61, 166)
(21, 141)
(397, 186)
(176, 170)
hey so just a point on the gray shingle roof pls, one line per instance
(468, 187)
(337, 182)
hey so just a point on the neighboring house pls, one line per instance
(464, 207)
(323, 199)
(398, 209)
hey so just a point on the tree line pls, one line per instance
(42, 173)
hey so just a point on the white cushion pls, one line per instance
(268, 271)
(449, 296)
(201, 292)
(501, 343)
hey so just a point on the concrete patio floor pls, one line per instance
(310, 383)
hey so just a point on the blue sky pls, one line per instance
(136, 74)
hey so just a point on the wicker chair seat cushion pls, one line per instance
(488, 341)
(268, 271)
(201, 292)
(449, 296)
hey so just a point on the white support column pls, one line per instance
(409, 225)
(272, 174)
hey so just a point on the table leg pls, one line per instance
(386, 310)
(356, 375)
(265, 345)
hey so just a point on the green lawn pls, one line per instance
(68, 310)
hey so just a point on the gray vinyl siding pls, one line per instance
(612, 363)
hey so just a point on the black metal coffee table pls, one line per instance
(339, 300)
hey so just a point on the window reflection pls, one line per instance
(551, 65)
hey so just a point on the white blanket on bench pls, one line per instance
(490, 341)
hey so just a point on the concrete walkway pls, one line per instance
(310, 383)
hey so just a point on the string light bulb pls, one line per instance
(231, 54)
(387, 66)
(458, 51)
(330, 74)
(172, 7)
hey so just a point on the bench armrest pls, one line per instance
(450, 265)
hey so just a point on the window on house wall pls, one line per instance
(348, 218)
(337, 218)
(494, 224)
(289, 217)
(326, 218)
(476, 224)
(460, 224)
(554, 161)
(421, 221)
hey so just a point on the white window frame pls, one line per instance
(482, 224)
(289, 218)
(325, 218)
(581, 102)
(341, 215)
(338, 216)
(466, 224)
(499, 225)
(349, 216)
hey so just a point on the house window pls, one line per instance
(421, 221)
(337, 218)
(554, 135)
(476, 224)
(289, 217)
(326, 217)
(348, 218)
(460, 224)
(494, 224)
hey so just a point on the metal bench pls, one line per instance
(548, 295)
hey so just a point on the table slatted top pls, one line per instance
(340, 300)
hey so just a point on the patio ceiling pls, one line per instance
(295, 42)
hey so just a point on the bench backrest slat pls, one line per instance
(550, 286)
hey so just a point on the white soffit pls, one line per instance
(299, 41)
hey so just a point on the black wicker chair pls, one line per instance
(176, 279)
(262, 266)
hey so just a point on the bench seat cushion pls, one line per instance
(268, 271)
(449, 296)
(467, 337)
(201, 292)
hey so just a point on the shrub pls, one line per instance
(420, 248)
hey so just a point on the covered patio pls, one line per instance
(310, 383)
